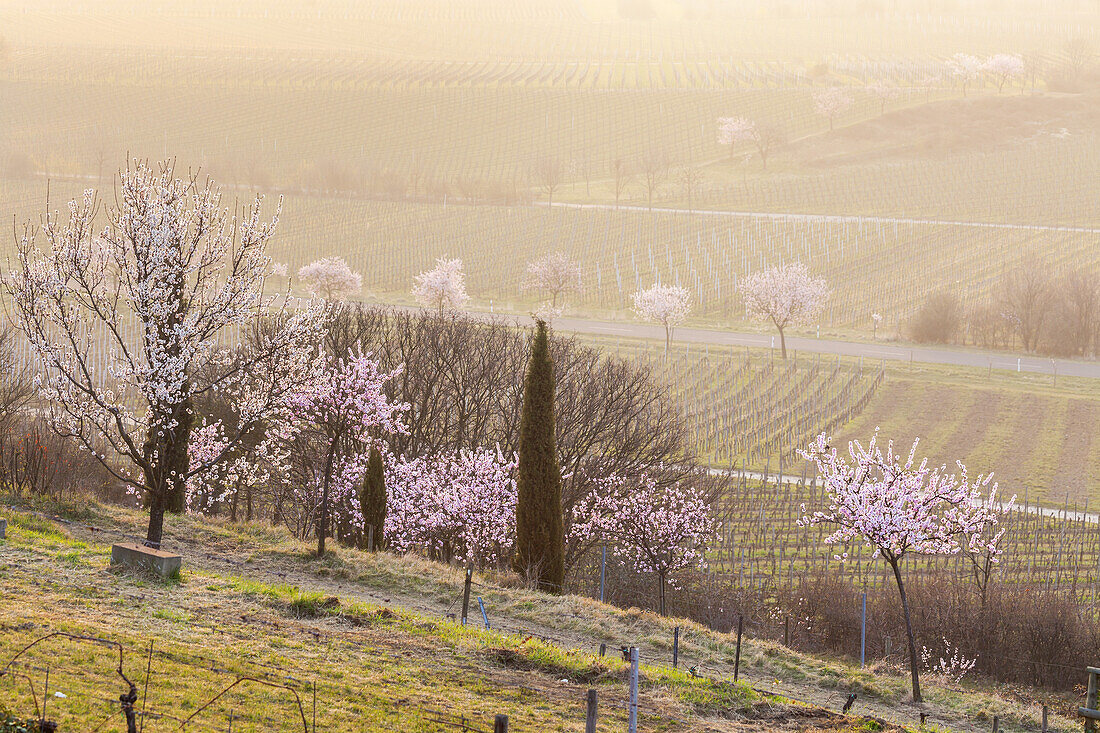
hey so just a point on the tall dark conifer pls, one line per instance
(372, 500)
(540, 550)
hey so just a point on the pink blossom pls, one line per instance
(458, 506)
(444, 286)
(669, 305)
(785, 296)
(659, 529)
(330, 278)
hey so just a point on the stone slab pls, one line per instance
(146, 558)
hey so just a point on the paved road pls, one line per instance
(836, 218)
(874, 351)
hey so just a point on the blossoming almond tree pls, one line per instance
(660, 529)
(159, 283)
(459, 506)
(444, 286)
(966, 68)
(901, 508)
(669, 305)
(554, 274)
(1003, 68)
(784, 295)
(330, 278)
(733, 130)
(832, 102)
(345, 412)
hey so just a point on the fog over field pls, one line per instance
(738, 312)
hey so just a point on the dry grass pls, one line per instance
(371, 630)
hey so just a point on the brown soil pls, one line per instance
(953, 127)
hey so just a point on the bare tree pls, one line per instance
(1079, 308)
(17, 387)
(1079, 54)
(464, 380)
(620, 174)
(690, 177)
(1027, 298)
(548, 176)
(655, 172)
(769, 136)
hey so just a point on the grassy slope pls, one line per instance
(370, 631)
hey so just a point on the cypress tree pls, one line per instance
(540, 551)
(372, 499)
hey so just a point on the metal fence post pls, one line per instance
(633, 728)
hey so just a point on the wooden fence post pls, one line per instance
(676, 647)
(500, 725)
(737, 657)
(1046, 711)
(466, 595)
(590, 715)
(603, 649)
(996, 723)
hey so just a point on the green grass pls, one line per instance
(371, 631)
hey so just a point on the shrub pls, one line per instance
(938, 319)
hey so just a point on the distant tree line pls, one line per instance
(1029, 308)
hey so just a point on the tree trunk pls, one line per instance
(322, 520)
(661, 591)
(783, 343)
(156, 519)
(668, 338)
(913, 669)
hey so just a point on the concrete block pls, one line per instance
(146, 558)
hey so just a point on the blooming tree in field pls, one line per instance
(458, 506)
(158, 284)
(661, 530)
(330, 278)
(900, 508)
(784, 295)
(876, 321)
(832, 102)
(765, 136)
(965, 68)
(883, 93)
(554, 274)
(444, 286)
(344, 413)
(734, 130)
(1003, 68)
(669, 305)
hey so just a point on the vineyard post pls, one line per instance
(500, 725)
(633, 689)
(590, 714)
(737, 656)
(484, 615)
(676, 647)
(466, 595)
(1046, 711)
(863, 633)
